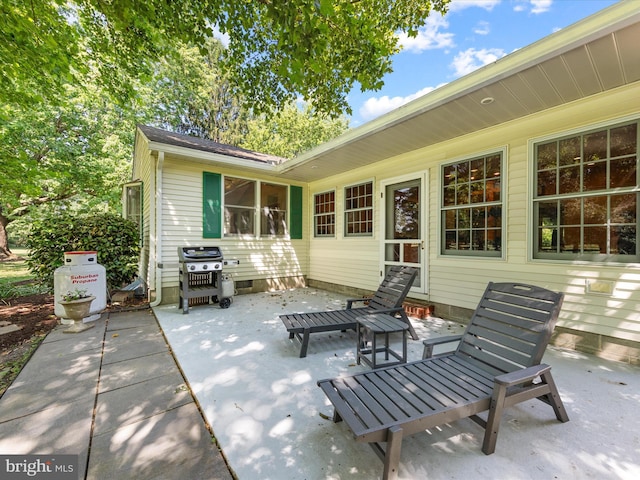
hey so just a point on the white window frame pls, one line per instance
(256, 209)
(263, 210)
(137, 217)
(253, 208)
(316, 215)
(360, 209)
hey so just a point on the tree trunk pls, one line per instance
(4, 239)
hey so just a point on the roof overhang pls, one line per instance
(194, 149)
(597, 54)
(191, 155)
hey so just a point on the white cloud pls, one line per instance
(429, 36)
(471, 59)
(457, 5)
(223, 37)
(374, 107)
(482, 28)
(537, 6)
(540, 6)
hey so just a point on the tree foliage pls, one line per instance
(115, 239)
(317, 49)
(76, 76)
(291, 132)
(190, 94)
(193, 95)
(76, 151)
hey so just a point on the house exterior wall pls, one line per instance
(606, 324)
(143, 170)
(265, 263)
(456, 283)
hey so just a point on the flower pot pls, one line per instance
(76, 310)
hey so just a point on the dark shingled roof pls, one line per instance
(187, 141)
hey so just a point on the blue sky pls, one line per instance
(471, 35)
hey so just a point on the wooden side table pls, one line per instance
(369, 327)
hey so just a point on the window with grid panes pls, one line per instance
(472, 207)
(358, 210)
(324, 216)
(586, 196)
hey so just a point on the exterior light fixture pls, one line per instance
(487, 101)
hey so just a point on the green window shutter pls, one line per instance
(295, 206)
(211, 205)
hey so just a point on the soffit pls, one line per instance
(596, 56)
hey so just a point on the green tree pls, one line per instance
(317, 49)
(78, 152)
(193, 96)
(291, 132)
(190, 94)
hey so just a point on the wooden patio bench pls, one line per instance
(387, 299)
(496, 365)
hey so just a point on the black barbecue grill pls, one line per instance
(202, 279)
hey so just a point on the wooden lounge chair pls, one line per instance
(494, 367)
(387, 299)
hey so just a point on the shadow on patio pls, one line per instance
(273, 422)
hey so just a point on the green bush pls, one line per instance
(115, 239)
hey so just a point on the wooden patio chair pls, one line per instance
(387, 299)
(496, 365)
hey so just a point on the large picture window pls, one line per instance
(239, 206)
(324, 217)
(586, 196)
(241, 197)
(273, 209)
(472, 206)
(358, 210)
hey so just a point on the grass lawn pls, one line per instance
(15, 278)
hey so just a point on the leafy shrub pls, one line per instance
(115, 239)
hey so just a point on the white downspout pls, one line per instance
(157, 225)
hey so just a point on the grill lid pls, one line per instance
(199, 254)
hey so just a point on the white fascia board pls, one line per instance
(209, 157)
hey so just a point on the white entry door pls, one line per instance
(404, 201)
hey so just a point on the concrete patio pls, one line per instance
(273, 422)
(115, 397)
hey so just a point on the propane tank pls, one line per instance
(228, 286)
(81, 271)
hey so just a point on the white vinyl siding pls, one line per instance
(260, 258)
(452, 280)
(143, 171)
(460, 281)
